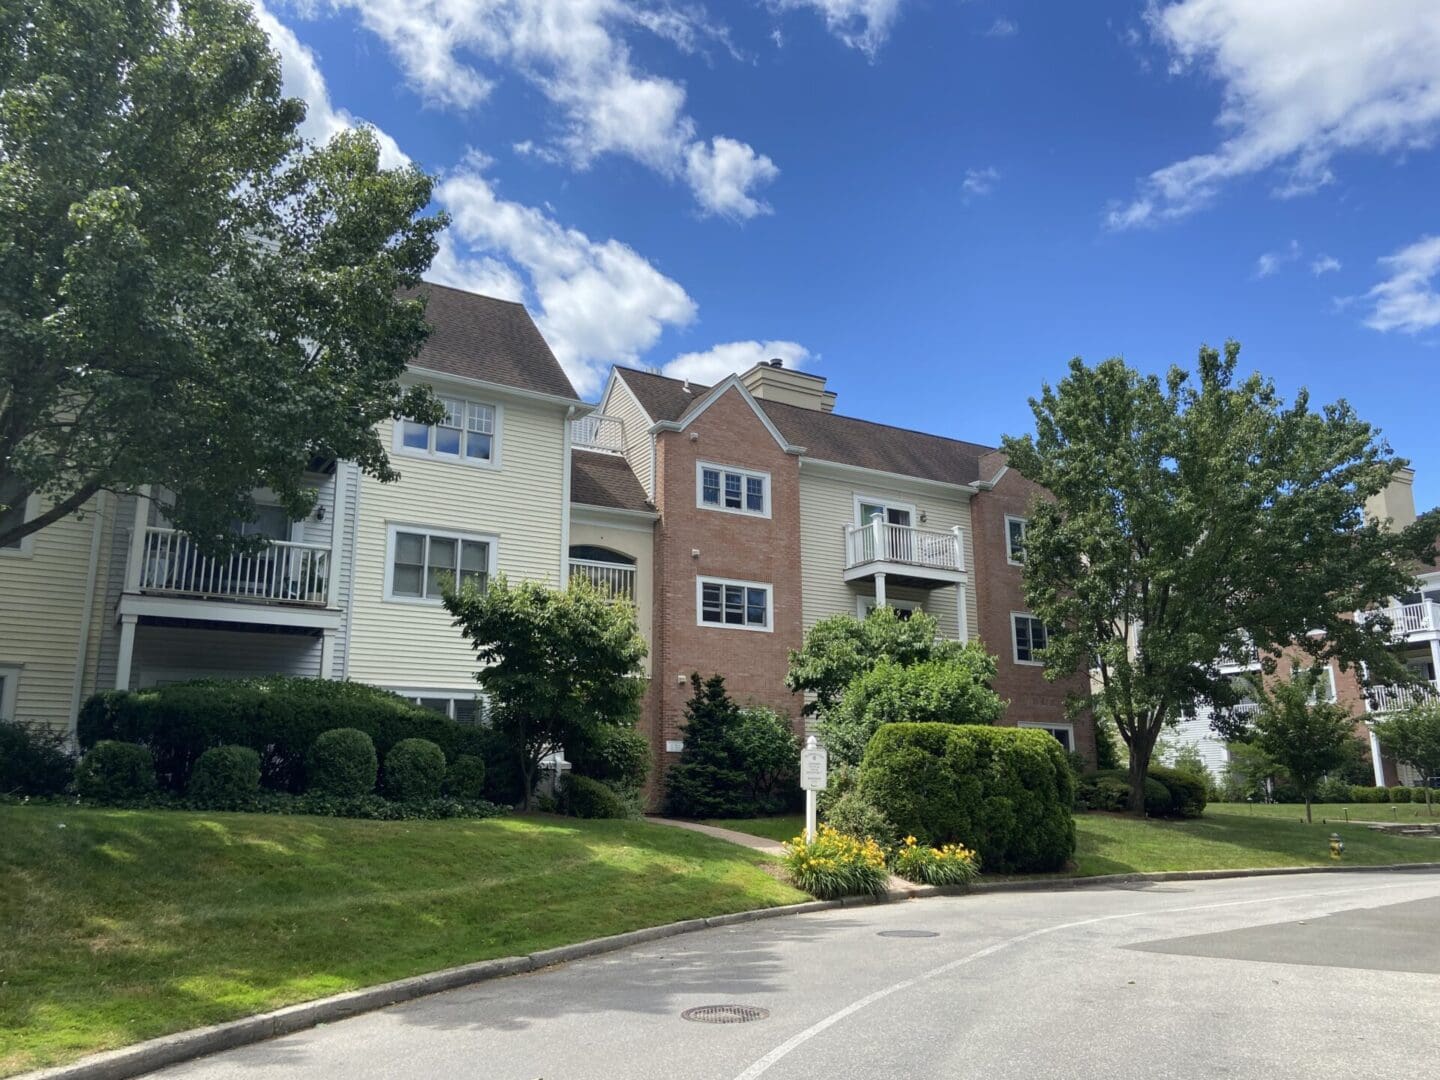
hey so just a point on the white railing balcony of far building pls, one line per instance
(597, 432)
(281, 572)
(907, 545)
(615, 581)
(1386, 698)
(1409, 619)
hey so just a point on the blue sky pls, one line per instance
(933, 203)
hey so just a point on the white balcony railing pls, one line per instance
(880, 541)
(1384, 699)
(597, 432)
(1410, 618)
(282, 572)
(613, 580)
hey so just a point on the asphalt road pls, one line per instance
(1306, 977)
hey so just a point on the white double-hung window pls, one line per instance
(422, 560)
(468, 432)
(737, 491)
(1030, 636)
(738, 605)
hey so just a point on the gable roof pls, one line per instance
(600, 479)
(495, 341)
(828, 436)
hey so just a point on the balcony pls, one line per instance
(1410, 619)
(925, 558)
(282, 572)
(1385, 699)
(597, 432)
(614, 581)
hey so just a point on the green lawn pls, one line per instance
(1337, 811)
(117, 926)
(782, 828)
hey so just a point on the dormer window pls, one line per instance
(466, 433)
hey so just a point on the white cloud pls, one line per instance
(1003, 28)
(714, 364)
(1302, 80)
(1409, 299)
(575, 52)
(979, 182)
(596, 302)
(1270, 262)
(1324, 264)
(861, 24)
(301, 78)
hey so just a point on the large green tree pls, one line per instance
(1413, 736)
(1196, 517)
(555, 664)
(1299, 730)
(191, 296)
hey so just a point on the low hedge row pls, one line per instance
(1005, 793)
(1169, 792)
(369, 807)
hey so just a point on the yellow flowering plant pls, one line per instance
(952, 864)
(836, 864)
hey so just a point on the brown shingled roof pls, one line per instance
(480, 337)
(599, 479)
(830, 436)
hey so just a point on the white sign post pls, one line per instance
(814, 776)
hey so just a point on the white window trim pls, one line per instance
(398, 446)
(27, 543)
(1024, 527)
(444, 534)
(701, 582)
(888, 503)
(1014, 646)
(11, 687)
(901, 605)
(745, 474)
(414, 693)
(1048, 726)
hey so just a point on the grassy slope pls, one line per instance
(125, 925)
(1358, 811)
(782, 828)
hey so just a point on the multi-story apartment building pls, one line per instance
(732, 516)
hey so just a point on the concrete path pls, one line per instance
(759, 843)
(1286, 978)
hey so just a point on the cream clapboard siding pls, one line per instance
(639, 544)
(827, 504)
(639, 446)
(176, 653)
(42, 609)
(412, 645)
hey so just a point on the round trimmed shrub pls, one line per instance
(342, 762)
(465, 778)
(414, 770)
(854, 815)
(1187, 791)
(1109, 789)
(34, 759)
(618, 756)
(1400, 794)
(115, 772)
(1004, 792)
(582, 797)
(225, 776)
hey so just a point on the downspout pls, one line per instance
(565, 503)
(87, 612)
(350, 571)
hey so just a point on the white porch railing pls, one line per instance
(880, 541)
(1384, 699)
(1410, 618)
(613, 580)
(597, 432)
(282, 572)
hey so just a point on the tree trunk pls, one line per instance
(1139, 767)
(1308, 819)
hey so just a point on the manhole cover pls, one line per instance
(908, 933)
(725, 1014)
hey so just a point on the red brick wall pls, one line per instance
(736, 546)
(998, 592)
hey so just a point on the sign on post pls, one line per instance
(814, 776)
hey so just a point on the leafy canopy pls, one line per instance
(554, 664)
(1196, 517)
(1413, 736)
(190, 296)
(1301, 732)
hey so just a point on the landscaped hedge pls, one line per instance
(1004, 792)
(225, 777)
(34, 759)
(414, 770)
(279, 717)
(1187, 791)
(114, 772)
(1109, 789)
(583, 797)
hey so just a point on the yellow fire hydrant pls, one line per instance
(1337, 846)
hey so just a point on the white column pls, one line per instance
(880, 590)
(137, 541)
(1375, 761)
(338, 512)
(1435, 656)
(327, 654)
(127, 651)
(962, 616)
(959, 547)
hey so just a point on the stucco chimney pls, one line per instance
(1396, 502)
(771, 380)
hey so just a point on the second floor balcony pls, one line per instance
(615, 581)
(280, 572)
(598, 432)
(928, 558)
(1387, 699)
(1410, 620)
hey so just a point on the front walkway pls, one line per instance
(758, 843)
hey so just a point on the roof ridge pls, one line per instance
(471, 292)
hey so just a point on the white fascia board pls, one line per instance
(730, 382)
(613, 517)
(494, 389)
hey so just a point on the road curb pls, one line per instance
(145, 1057)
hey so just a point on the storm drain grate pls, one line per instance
(908, 933)
(725, 1014)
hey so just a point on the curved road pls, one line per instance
(1309, 977)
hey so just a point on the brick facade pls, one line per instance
(998, 592)
(693, 541)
